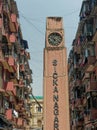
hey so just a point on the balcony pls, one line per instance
(13, 18)
(21, 83)
(92, 85)
(88, 65)
(84, 9)
(84, 101)
(17, 107)
(2, 111)
(71, 85)
(10, 89)
(24, 44)
(1, 22)
(27, 55)
(28, 90)
(13, 23)
(11, 63)
(86, 116)
(19, 104)
(1, 55)
(86, 76)
(79, 123)
(94, 8)
(22, 52)
(11, 99)
(12, 38)
(19, 121)
(0, 7)
(78, 82)
(4, 64)
(90, 115)
(14, 120)
(7, 64)
(9, 114)
(78, 102)
(77, 49)
(95, 69)
(93, 114)
(22, 67)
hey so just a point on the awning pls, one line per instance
(10, 89)
(9, 114)
(19, 121)
(5, 64)
(11, 69)
(11, 64)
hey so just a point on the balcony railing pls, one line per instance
(22, 67)
(19, 121)
(86, 76)
(12, 38)
(9, 114)
(95, 36)
(2, 111)
(11, 63)
(94, 7)
(78, 82)
(92, 85)
(13, 18)
(89, 63)
(78, 102)
(90, 115)
(10, 89)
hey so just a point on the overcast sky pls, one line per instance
(33, 15)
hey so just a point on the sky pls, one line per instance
(33, 14)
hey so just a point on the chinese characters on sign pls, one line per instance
(55, 96)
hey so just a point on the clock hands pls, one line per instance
(55, 39)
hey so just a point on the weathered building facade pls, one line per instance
(36, 108)
(82, 67)
(15, 72)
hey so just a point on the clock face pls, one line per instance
(54, 39)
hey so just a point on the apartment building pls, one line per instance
(82, 68)
(15, 72)
(36, 109)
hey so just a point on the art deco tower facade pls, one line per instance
(56, 104)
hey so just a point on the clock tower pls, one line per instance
(56, 98)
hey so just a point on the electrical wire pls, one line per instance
(36, 101)
(73, 12)
(26, 19)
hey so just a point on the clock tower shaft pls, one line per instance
(56, 99)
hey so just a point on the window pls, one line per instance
(39, 109)
(94, 101)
